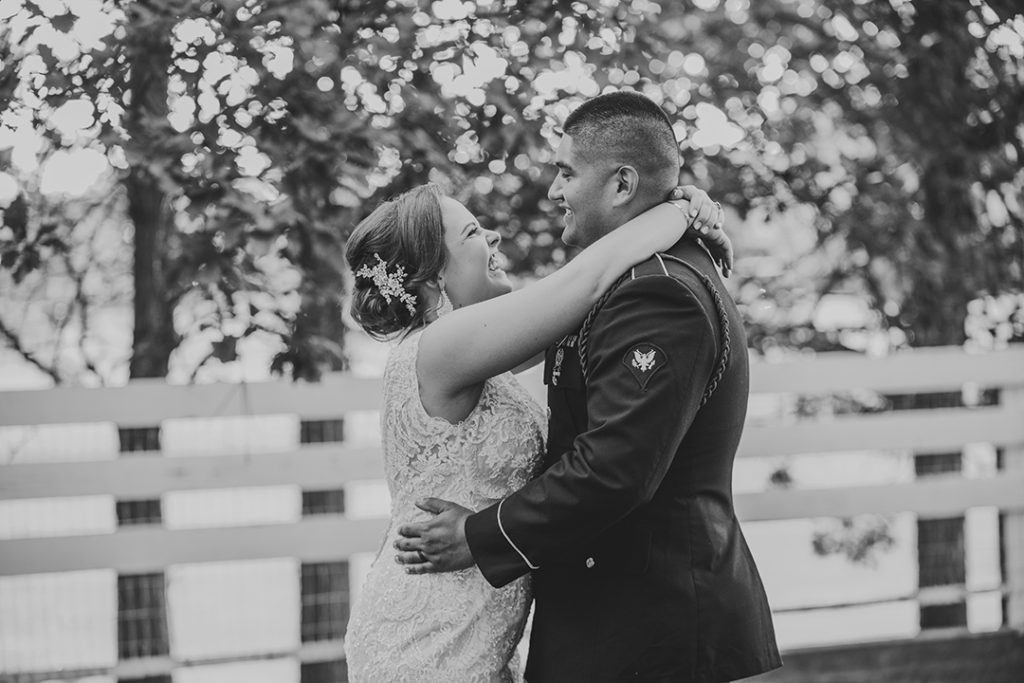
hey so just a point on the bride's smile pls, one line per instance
(474, 271)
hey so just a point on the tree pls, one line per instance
(248, 137)
(894, 125)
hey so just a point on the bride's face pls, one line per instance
(472, 273)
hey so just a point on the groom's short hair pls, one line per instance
(627, 128)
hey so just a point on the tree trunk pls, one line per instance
(153, 334)
(154, 337)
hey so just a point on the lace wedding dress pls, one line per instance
(451, 627)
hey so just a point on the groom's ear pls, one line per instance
(627, 184)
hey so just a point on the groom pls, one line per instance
(640, 569)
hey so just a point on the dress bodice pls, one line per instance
(495, 450)
(452, 627)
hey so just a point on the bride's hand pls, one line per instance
(706, 217)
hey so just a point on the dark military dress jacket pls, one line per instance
(640, 569)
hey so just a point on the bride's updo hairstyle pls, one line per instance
(405, 232)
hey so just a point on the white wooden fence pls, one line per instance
(148, 403)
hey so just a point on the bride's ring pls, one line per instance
(718, 206)
(423, 558)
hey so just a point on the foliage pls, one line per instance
(860, 539)
(899, 124)
(248, 137)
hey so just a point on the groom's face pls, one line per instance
(584, 189)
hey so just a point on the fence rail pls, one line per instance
(149, 404)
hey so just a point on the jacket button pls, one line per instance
(590, 563)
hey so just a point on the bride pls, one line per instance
(456, 424)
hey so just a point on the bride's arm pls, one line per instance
(467, 346)
(533, 361)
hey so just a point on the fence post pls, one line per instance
(1013, 523)
(142, 627)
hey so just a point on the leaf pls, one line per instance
(28, 262)
(44, 51)
(54, 243)
(226, 350)
(16, 218)
(209, 274)
(46, 229)
(63, 23)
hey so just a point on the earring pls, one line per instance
(444, 304)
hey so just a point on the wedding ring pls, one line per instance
(718, 206)
(423, 558)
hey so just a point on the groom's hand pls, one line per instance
(437, 545)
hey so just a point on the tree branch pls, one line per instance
(14, 341)
(83, 307)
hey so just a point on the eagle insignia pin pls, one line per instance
(643, 361)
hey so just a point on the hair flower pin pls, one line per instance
(389, 284)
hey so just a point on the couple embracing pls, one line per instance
(622, 528)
